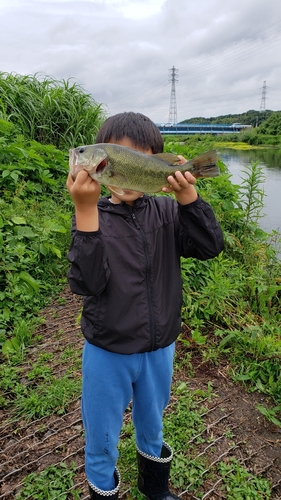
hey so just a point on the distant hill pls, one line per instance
(250, 117)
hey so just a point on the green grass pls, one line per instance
(52, 395)
(238, 484)
(51, 483)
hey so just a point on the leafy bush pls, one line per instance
(271, 126)
(34, 227)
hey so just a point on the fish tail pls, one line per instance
(205, 165)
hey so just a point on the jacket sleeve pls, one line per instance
(200, 234)
(89, 270)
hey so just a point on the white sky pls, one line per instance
(121, 51)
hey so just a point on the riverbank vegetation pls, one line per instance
(231, 303)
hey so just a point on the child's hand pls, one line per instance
(84, 191)
(182, 185)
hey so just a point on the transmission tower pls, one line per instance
(263, 97)
(173, 103)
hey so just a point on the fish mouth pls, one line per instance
(101, 166)
(72, 159)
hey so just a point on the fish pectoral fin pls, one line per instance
(118, 176)
(121, 179)
(169, 158)
(116, 190)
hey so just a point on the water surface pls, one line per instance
(270, 161)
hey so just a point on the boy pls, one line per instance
(125, 260)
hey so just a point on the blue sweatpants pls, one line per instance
(110, 381)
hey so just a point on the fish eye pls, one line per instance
(81, 150)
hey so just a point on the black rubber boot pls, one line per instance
(154, 474)
(97, 494)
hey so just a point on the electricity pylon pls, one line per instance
(173, 103)
(263, 97)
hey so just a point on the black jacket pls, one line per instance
(129, 270)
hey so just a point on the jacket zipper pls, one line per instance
(148, 281)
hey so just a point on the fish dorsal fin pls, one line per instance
(169, 158)
(116, 190)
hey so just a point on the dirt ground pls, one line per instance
(32, 446)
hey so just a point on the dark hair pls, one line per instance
(137, 127)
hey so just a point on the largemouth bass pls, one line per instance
(119, 167)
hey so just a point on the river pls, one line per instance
(270, 161)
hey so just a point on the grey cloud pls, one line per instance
(223, 50)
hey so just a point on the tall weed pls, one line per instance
(50, 111)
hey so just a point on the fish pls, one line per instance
(119, 167)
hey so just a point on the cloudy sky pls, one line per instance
(121, 51)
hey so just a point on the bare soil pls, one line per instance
(32, 446)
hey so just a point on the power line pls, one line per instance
(237, 52)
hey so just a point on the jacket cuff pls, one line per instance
(88, 233)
